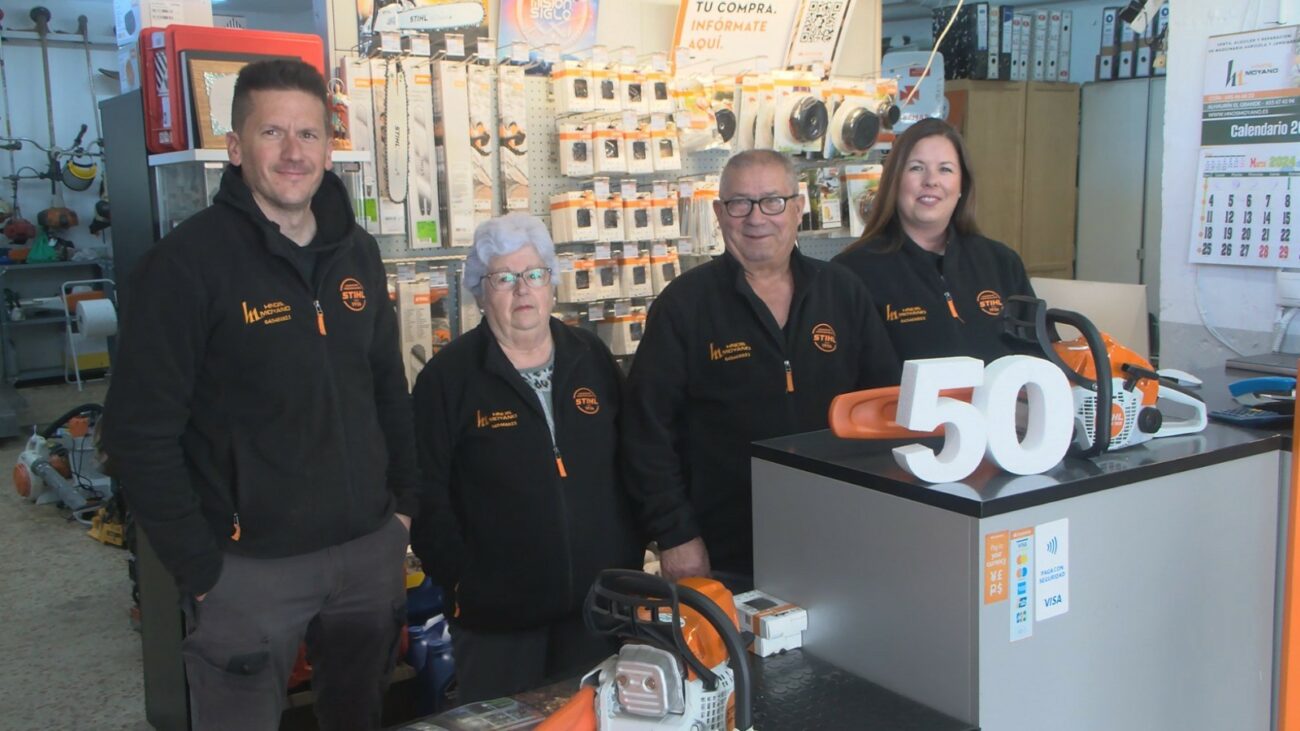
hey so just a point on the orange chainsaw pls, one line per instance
(1127, 400)
(683, 666)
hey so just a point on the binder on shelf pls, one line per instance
(1052, 51)
(1141, 55)
(1038, 45)
(1108, 57)
(1006, 41)
(1127, 50)
(1063, 51)
(1159, 27)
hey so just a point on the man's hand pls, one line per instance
(689, 559)
(406, 521)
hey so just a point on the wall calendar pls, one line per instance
(1248, 184)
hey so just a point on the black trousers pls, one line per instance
(496, 664)
(348, 602)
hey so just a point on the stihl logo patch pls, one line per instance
(990, 302)
(353, 294)
(823, 337)
(586, 401)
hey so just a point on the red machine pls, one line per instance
(166, 118)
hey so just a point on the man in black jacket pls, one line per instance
(750, 346)
(260, 425)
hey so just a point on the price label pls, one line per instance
(659, 61)
(686, 188)
(566, 264)
(551, 53)
(627, 55)
(659, 251)
(600, 55)
(658, 122)
(600, 186)
(660, 189)
(519, 52)
(685, 247)
(438, 278)
(628, 189)
(622, 308)
(631, 251)
(596, 311)
(455, 44)
(602, 251)
(629, 120)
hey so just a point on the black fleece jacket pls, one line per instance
(516, 542)
(909, 286)
(241, 389)
(713, 373)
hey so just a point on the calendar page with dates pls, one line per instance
(1245, 207)
(1247, 183)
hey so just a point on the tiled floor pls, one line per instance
(68, 654)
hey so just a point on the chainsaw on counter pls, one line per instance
(1125, 399)
(683, 666)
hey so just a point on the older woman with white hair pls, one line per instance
(523, 498)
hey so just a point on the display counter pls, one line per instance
(1163, 576)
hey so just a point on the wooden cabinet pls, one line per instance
(1023, 140)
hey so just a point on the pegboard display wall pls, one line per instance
(545, 180)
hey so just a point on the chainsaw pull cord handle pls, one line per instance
(1101, 367)
(735, 650)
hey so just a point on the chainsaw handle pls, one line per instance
(1183, 426)
(1101, 367)
(873, 414)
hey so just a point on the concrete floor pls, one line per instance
(68, 654)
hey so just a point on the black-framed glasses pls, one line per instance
(771, 205)
(506, 281)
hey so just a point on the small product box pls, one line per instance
(777, 625)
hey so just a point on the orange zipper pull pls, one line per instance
(320, 317)
(952, 307)
(234, 536)
(789, 378)
(559, 463)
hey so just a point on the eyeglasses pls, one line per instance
(771, 205)
(506, 281)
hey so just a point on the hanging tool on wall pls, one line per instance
(41, 16)
(17, 229)
(83, 28)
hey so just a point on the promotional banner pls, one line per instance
(1247, 178)
(569, 24)
(729, 31)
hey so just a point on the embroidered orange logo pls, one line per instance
(990, 302)
(823, 336)
(270, 313)
(353, 294)
(586, 401)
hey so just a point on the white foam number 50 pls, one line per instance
(986, 425)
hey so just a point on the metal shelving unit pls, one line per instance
(31, 349)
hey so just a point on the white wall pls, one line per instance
(73, 103)
(1239, 301)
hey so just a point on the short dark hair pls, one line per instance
(274, 75)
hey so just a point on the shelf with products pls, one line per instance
(33, 348)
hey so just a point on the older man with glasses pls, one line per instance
(750, 346)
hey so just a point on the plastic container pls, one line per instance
(430, 655)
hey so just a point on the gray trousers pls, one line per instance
(347, 601)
